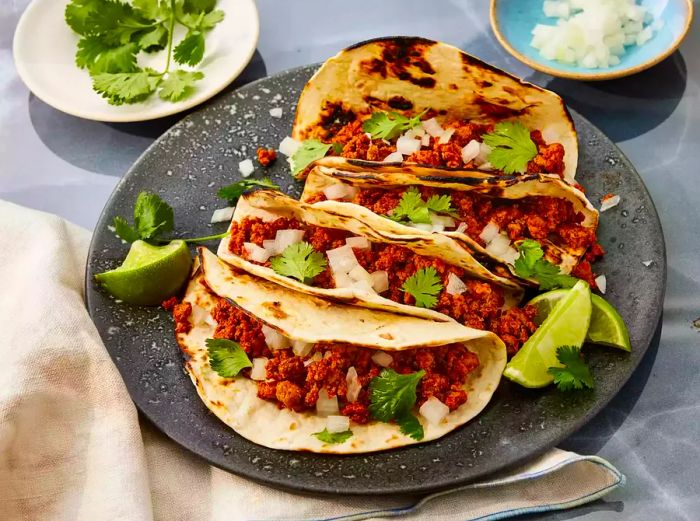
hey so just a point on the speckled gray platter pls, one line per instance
(201, 153)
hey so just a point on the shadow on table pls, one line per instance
(111, 148)
(627, 107)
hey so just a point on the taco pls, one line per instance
(425, 102)
(490, 214)
(347, 253)
(314, 363)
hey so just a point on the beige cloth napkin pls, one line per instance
(71, 447)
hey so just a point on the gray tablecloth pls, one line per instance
(61, 164)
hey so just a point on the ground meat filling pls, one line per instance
(358, 145)
(536, 217)
(266, 156)
(480, 306)
(182, 311)
(294, 382)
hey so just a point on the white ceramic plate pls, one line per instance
(44, 53)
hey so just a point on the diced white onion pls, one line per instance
(337, 424)
(489, 232)
(380, 281)
(274, 339)
(609, 202)
(316, 357)
(258, 372)
(602, 283)
(383, 359)
(276, 112)
(394, 157)
(462, 228)
(432, 127)
(256, 253)
(483, 156)
(421, 226)
(341, 260)
(361, 243)
(510, 255)
(246, 167)
(271, 246)
(353, 385)
(301, 348)
(359, 274)
(446, 136)
(289, 146)
(437, 228)
(326, 406)
(407, 146)
(498, 246)
(647, 263)
(442, 220)
(433, 410)
(285, 238)
(361, 284)
(470, 151)
(222, 214)
(455, 285)
(337, 191)
(415, 132)
(425, 140)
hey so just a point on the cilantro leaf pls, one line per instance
(411, 207)
(531, 264)
(153, 9)
(233, 191)
(441, 204)
(393, 395)
(190, 50)
(389, 125)
(124, 231)
(178, 84)
(125, 87)
(512, 147)
(152, 216)
(299, 261)
(424, 285)
(333, 437)
(227, 357)
(575, 373)
(410, 426)
(154, 39)
(115, 22)
(77, 12)
(96, 56)
(309, 151)
(198, 6)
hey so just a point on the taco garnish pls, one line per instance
(321, 372)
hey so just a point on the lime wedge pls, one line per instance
(149, 274)
(607, 327)
(566, 324)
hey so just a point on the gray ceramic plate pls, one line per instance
(201, 153)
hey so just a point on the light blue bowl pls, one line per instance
(513, 21)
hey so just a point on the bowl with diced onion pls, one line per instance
(591, 39)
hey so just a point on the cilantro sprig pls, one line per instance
(113, 33)
(389, 125)
(531, 264)
(575, 374)
(512, 147)
(392, 396)
(414, 209)
(333, 437)
(309, 151)
(299, 261)
(226, 357)
(153, 217)
(424, 285)
(233, 191)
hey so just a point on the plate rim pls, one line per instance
(433, 486)
(23, 27)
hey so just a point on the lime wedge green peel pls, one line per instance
(566, 324)
(149, 274)
(607, 326)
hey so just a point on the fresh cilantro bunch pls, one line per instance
(424, 285)
(390, 125)
(153, 217)
(299, 261)
(575, 373)
(512, 147)
(414, 209)
(233, 191)
(392, 396)
(226, 357)
(113, 33)
(531, 264)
